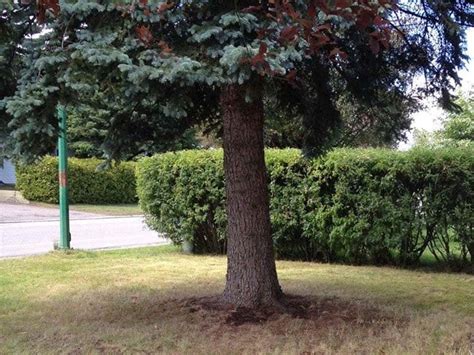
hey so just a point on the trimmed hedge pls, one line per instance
(182, 194)
(354, 205)
(382, 206)
(87, 184)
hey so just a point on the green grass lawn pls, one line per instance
(137, 301)
(110, 210)
(113, 210)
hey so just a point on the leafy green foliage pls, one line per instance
(383, 206)
(353, 205)
(182, 193)
(458, 126)
(87, 184)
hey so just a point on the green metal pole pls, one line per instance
(65, 235)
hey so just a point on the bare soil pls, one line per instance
(322, 312)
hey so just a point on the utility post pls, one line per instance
(65, 235)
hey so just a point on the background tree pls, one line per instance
(383, 124)
(17, 23)
(94, 131)
(201, 61)
(458, 126)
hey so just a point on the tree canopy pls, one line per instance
(170, 58)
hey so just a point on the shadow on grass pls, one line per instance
(128, 307)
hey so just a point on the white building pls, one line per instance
(7, 173)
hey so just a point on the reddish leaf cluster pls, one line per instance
(165, 48)
(165, 7)
(288, 34)
(144, 34)
(47, 5)
(144, 6)
(363, 13)
(259, 59)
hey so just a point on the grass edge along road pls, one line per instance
(144, 300)
(109, 210)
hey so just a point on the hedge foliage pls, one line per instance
(87, 183)
(353, 205)
(381, 206)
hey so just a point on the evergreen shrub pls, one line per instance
(383, 206)
(87, 184)
(353, 205)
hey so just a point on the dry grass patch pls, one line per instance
(157, 300)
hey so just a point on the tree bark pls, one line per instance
(251, 273)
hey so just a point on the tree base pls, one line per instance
(271, 296)
(324, 311)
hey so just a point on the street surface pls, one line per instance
(15, 212)
(29, 230)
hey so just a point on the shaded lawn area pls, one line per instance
(110, 210)
(141, 300)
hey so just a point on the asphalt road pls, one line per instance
(15, 212)
(28, 230)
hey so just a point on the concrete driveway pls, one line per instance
(29, 230)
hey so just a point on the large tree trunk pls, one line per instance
(251, 274)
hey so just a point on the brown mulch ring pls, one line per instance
(324, 312)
